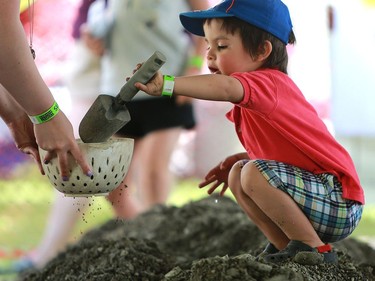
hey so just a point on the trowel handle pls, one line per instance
(143, 75)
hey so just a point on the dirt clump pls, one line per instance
(210, 239)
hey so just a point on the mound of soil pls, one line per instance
(211, 240)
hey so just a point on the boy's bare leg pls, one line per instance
(272, 210)
(273, 233)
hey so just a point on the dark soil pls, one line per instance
(211, 239)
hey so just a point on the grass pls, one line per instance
(25, 203)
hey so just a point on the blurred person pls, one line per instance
(26, 99)
(24, 93)
(291, 157)
(136, 30)
(141, 27)
(83, 84)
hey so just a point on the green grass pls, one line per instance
(25, 203)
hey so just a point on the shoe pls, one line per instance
(303, 253)
(269, 249)
(17, 267)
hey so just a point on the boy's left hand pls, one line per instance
(217, 176)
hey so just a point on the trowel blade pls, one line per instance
(104, 118)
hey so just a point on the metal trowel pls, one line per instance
(109, 114)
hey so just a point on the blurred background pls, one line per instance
(333, 63)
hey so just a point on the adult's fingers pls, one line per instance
(62, 159)
(63, 164)
(34, 153)
(81, 161)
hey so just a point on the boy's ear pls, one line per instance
(265, 51)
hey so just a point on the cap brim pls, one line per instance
(193, 21)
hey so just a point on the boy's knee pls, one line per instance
(235, 176)
(236, 169)
(249, 173)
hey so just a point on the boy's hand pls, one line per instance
(154, 87)
(219, 174)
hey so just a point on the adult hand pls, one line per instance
(22, 131)
(95, 45)
(219, 174)
(60, 143)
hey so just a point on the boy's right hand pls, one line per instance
(154, 87)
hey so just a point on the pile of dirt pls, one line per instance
(211, 239)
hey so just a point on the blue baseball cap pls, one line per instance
(269, 15)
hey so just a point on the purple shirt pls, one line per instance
(81, 17)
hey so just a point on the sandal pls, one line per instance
(269, 249)
(321, 254)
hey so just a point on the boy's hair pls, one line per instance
(253, 39)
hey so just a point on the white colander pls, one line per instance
(109, 160)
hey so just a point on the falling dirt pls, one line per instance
(210, 240)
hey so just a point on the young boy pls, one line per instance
(295, 182)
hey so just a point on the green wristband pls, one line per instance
(196, 61)
(168, 85)
(47, 115)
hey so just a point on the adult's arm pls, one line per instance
(21, 78)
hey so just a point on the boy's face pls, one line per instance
(225, 52)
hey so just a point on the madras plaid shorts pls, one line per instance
(318, 196)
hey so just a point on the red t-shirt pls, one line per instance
(274, 121)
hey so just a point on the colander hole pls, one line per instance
(97, 184)
(92, 161)
(92, 177)
(116, 183)
(49, 171)
(85, 184)
(108, 183)
(116, 176)
(119, 160)
(107, 190)
(123, 168)
(55, 184)
(73, 184)
(55, 177)
(107, 161)
(62, 184)
(113, 168)
(78, 178)
(99, 170)
(57, 171)
(105, 176)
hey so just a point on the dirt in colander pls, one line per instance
(210, 239)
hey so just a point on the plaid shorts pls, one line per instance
(318, 196)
